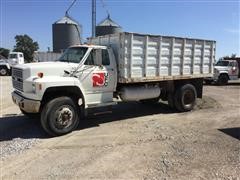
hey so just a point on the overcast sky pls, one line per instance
(214, 19)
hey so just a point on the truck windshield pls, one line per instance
(73, 55)
(222, 63)
(11, 56)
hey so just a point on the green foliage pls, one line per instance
(4, 52)
(26, 45)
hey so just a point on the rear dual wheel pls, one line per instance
(60, 116)
(184, 99)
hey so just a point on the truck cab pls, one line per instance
(225, 70)
(85, 76)
(96, 72)
(15, 58)
(6, 65)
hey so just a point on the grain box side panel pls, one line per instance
(142, 58)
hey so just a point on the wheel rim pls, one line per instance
(64, 117)
(188, 98)
(3, 71)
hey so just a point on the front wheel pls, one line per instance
(185, 98)
(60, 116)
(222, 79)
(3, 71)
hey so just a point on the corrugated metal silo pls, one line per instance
(66, 32)
(107, 26)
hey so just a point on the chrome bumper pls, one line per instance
(28, 105)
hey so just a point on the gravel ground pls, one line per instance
(134, 142)
(17, 132)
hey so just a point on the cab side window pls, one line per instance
(98, 57)
(235, 64)
(105, 57)
(231, 64)
(91, 57)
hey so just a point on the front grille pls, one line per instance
(17, 79)
(17, 73)
(17, 85)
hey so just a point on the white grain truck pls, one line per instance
(6, 65)
(123, 66)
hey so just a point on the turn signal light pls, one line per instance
(40, 74)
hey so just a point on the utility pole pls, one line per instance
(93, 18)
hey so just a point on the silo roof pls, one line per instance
(108, 22)
(66, 20)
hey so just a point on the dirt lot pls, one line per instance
(134, 142)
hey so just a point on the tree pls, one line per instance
(25, 44)
(4, 52)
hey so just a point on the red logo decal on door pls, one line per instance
(100, 79)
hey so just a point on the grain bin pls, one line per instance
(66, 32)
(107, 26)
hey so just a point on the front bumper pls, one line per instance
(27, 105)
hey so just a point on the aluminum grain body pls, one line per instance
(146, 58)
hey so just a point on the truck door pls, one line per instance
(98, 77)
(234, 71)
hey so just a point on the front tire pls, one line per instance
(60, 116)
(185, 98)
(222, 79)
(3, 71)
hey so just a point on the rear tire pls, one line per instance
(222, 79)
(60, 116)
(185, 98)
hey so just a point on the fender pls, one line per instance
(216, 75)
(5, 65)
(223, 72)
(53, 86)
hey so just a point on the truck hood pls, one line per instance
(47, 68)
(221, 68)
